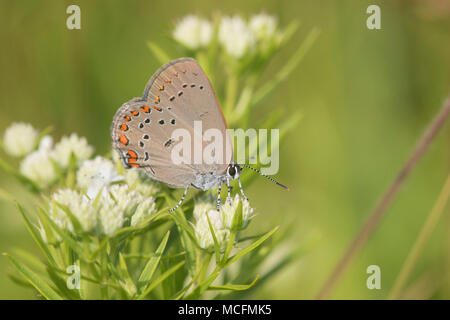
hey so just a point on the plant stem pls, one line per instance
(381, 207)
(231, 93)
(288, 68)
(421, 240)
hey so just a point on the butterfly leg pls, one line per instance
(181, 200)
(242, 190)
(218, 197)
(229, 191)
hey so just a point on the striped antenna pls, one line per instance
(265, 176)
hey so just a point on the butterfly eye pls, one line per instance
(231, 171)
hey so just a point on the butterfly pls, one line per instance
(177, 96)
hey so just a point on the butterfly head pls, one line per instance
(233, 171)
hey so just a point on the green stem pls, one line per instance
(288, 67)
(421, 241)
(381, 207)
(230, 94)
(229, 248)
(204, 268)
(244, 105)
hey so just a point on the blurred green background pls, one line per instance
(365, 96)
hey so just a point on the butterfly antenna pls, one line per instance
(265, 176)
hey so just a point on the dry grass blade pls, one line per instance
(381, 207)
(421, 240)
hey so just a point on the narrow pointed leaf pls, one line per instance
(161, 278)
(36, 281)
(235, 287)
(152, 263)
(159, 53)
(251, 247)
(216, 243)
(35, 235)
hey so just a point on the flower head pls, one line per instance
(20, 139)
(78, 205)
(263, 26)
(46, 143)
(203, 230)
(235, 36)
(71, 145)
(203, 204)
(145, 209)
(121, 204)
(229, 210)
(145, 187)
(193, 32)
(95, 175)
(38, 167)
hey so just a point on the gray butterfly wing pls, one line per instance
(176, 96)
(133, 141)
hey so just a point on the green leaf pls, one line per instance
(152, 264)
(216, 243)
(183, 226)
(188, 239)
(291, 64)
(20, 281)
(148, 256)
(37, 282)
(161, 278)
(30, 259)
(289, 31)
(35, 235)
(71, 242)
(235, 287)
(125, 280)
(159, 53)
(237, 222)
(61, 284)
(73, 219)
(143, 224)
(251, 247)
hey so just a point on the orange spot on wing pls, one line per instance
(123, 139)
(134, 165)
(161, 88)
(157, 108)
(168, 81)
(127, 118)
(156, 100)
(145, 109)
(134, 113)
(123, 127)
(132, 154)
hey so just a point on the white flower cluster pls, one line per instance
(193, 32)
(20, 139)
(41, 158)
(98, 202)
(96, 175)
(106, 206)
(221, 221)
(72, 145)
(236, 35)
(113, 209)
